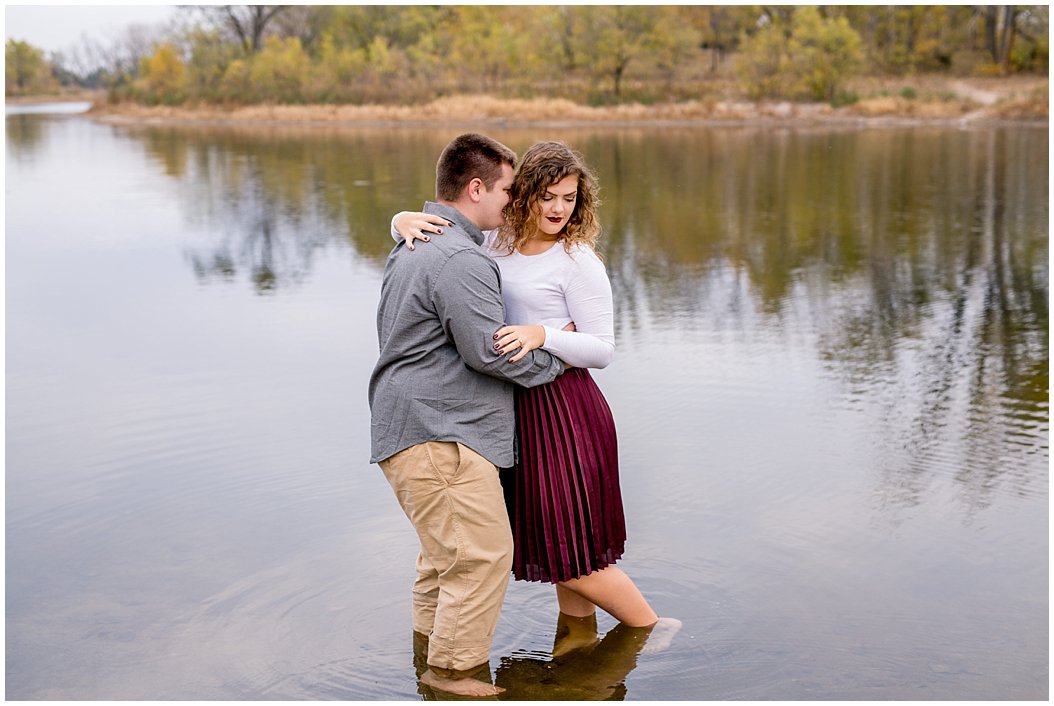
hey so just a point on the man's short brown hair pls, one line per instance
(467, 157)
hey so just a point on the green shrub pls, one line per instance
(844, 98)
(762, 63)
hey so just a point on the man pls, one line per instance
(442, 412)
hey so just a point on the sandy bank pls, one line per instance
(914, 101)
(95, 97)
(486, 111)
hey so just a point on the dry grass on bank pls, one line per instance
(1031, 107)
(914, 99)
(485, 109)
(96, 97)
(896, 106)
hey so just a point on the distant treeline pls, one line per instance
(596, 54)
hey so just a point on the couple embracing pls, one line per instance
(485, 334)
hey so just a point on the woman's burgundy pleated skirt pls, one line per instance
(563, 494)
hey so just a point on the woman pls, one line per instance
(563, 495)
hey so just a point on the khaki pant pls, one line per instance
(453, 497)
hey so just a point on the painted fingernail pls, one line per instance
(495, 337)
(497, 346)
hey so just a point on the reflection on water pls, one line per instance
(831, 391)
(591, 669)
(24, 134)
(270, 200)
(917, 260)
(582, 666)
(58, 108)
(914, 259)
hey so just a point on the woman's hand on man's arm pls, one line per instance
(524, 338)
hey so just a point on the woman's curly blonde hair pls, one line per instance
(545, 164)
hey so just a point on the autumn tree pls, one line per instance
(613, 36)
(489, 47)
(823, 52)
(411, 53)
(247, 23)
(26, 70)
(307, 23)
(906, 38)
(209, 57)
(763, 61)
(1031, 51)
(999, 32)
(801, 54)
(720, 27)
(402, 27)
(163, 76)
(559, 22)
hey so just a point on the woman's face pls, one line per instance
(556, 204)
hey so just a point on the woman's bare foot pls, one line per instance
(662, 635)
(462, 687)
(574, 633)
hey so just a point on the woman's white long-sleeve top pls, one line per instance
(555, 288)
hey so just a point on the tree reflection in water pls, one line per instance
(24, 135)
(265, 202)
(914, 261)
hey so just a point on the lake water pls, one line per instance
(831, 389)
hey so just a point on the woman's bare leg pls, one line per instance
(573, 604)
(576, 625)
(574, 633)
(612, 590)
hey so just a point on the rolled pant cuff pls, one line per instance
(460, 660)
(475, 672)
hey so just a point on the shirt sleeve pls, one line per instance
(396, 235)
(589, 302)
(467, 298)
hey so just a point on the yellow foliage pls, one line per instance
(337, 70)
(823, 52)
(762, 63)
(281, 70)
(26, 70)
(591, 54)
(989, 69)
(163, 76)
(236, 84)
(815, 60)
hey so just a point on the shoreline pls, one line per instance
(498, 113)
(495, 116)
(847, 123)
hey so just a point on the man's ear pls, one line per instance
(476, 188)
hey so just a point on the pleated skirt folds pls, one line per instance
(563, 495)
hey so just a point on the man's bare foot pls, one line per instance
(461, 687)
(662, 635)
